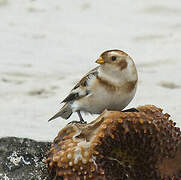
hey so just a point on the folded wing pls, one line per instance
(81, 89)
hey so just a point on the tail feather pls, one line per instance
(65, 112)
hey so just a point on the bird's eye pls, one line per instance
(113, 58)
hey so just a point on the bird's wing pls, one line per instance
(81, 88)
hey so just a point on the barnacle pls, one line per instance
(118, 146)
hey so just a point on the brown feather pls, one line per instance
(83, 81)
(123, 64)
(104, 54)
(128, 86)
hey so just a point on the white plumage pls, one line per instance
(112, 85)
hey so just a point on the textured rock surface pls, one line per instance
(142, 145)
(22, 159)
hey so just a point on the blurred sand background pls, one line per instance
(46, 46)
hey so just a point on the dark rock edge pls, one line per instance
(23, 159)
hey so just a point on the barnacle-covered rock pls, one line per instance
(142, 145)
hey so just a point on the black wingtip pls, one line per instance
(54, 117)
(50, 120)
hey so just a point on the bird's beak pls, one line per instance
(100, 61)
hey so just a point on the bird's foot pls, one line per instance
(131, 110)
(80, 122)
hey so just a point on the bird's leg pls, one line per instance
(131, 110)
(80, 117)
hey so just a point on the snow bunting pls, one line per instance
(111, 85)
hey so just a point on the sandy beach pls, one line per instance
(47, 46)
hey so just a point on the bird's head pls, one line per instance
(117, 63)
(116, 58)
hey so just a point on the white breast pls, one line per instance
(102, 98)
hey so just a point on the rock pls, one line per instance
(142, 145)
(23, 159)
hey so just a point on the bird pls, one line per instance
(111, 85)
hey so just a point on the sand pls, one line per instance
(47, 46)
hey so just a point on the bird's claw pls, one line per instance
(80, 122)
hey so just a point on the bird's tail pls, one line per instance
(65, 112)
